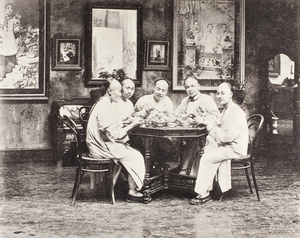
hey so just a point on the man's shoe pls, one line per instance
(134, 199)
(198, 200)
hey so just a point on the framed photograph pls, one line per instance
(204, 42)
(24, 52)
(66, 54)
(157, 55)
(114, 44)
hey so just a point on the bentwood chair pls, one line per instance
(91, 165)
(255, 123)
(84, 113)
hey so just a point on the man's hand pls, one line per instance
(199, 120)
(202, 120)
(136, 121)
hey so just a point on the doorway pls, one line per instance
(281, 94)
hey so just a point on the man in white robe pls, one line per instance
(124, 106)
(232, 143)
(195, 108)
(154, 106)
(105, 139)
(157, 103)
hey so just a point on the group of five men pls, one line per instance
(114, 115)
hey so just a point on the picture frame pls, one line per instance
(25, 72)
(113, 46)
(208, 42)
(157, 55)
(67, 53)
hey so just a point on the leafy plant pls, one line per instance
(190, 34)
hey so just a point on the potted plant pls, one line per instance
(190, 37)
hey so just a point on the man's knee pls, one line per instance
(210, 156)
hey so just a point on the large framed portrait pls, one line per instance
(66, 53)
(24, 53)
(114, 42)
(204, 42)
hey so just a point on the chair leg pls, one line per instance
(115, 174)
(111, 182)
(77, 187)
(75, 182)
(248, 180)
(254, 181)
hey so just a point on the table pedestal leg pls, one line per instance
(166, 175)
(147, 181)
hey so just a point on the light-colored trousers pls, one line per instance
(130, 158)
(134, 163)
(215, 158)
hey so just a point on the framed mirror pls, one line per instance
(114, 43)
(208, 41)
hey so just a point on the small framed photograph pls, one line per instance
(66, 53)
(157, 55)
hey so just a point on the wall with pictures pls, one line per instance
(25, 125)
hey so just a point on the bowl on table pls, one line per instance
(158, 123)
(171, 124)
(184, 124)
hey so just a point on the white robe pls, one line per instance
(124, 108)
(103, 140)
(204, 106)
(232, 143)
(149, 102)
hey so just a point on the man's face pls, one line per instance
(109, 58)
(224, 94)
(128, 88)
(224, 28)
(9, 9)
(210, 27)
(192, 87)
(196, 26)
(160, 90)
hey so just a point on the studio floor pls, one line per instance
(35, 202)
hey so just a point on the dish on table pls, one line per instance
(184, 124)
(158, 124)
(171, 124)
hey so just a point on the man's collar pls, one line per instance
(195, 98)
(155, 100)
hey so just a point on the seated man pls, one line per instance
(195, 108)
(105, 139)
(156, 104)
(232, 143)
(124, 106)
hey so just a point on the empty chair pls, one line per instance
(91, 165)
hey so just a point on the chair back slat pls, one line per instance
(84, 113)
(255, 123)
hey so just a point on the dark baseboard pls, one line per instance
(24, 155)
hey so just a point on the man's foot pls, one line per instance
(200, 200)
(135, 193)
(183, 171)
(134, 199)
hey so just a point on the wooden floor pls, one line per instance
(35, 202)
